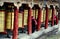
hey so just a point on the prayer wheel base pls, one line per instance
(3, 32)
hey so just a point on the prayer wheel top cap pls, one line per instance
(36, 6)
(25, 6)
(2, 8)
(8, 5)
(51, 6)
(56, 7)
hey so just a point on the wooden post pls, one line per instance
(46, 21)
(52, 16)
(29, 21)
(15, 29)
(39, 19)
(56, 20)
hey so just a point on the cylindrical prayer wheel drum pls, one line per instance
(20, 15)
(50, 14)
(2, 19)
(25, 14)
(44, 15)
(35, 11)
(9, 19)
(9, 15)
(26, 19)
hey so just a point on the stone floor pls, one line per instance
(52, 36)
(48, 34)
